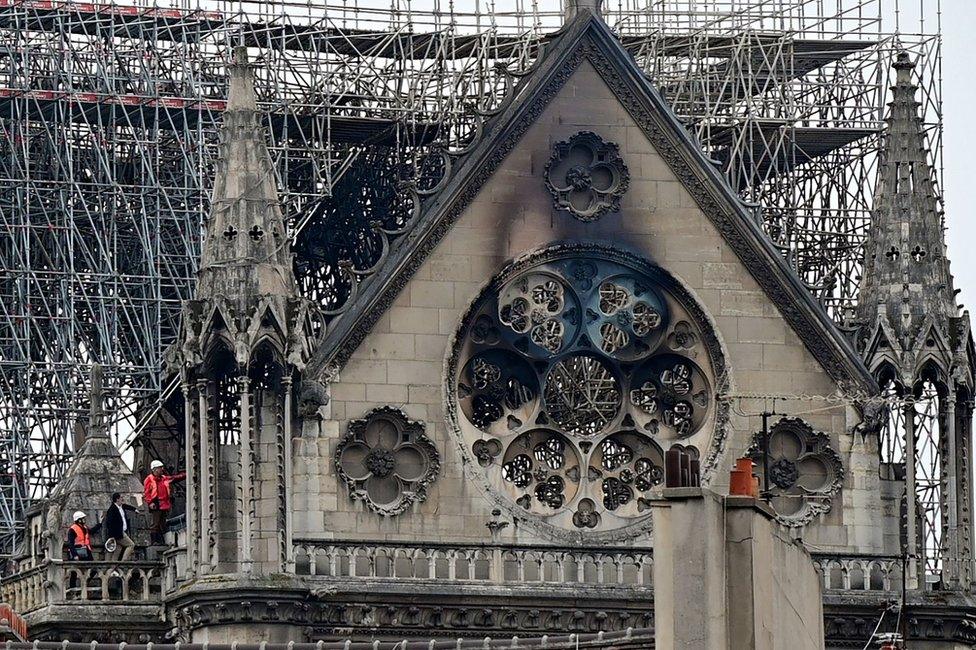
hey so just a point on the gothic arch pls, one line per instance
(266, 366)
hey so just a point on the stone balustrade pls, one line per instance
(59, 582)
(25, 591)
(490, 565)
(878, 573)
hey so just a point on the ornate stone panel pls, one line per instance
(586, 176)
(805, 472)
(386, 461)
(571, 374)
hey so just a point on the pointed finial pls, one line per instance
(576, 7)
(904, 65)
(96, 414)
(240, 95)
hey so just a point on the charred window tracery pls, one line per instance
(225, 397)
(572, 372)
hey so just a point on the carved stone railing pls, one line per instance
(59, 582)
(481, 564)
(25, 591)
(124, 582)
(859, 573)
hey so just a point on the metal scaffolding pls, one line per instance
(108, 122)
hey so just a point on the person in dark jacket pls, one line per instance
(116, 527)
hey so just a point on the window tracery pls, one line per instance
(805, 471)
(571, 374)
(386, 461)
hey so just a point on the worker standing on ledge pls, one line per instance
(79, 538)
(156, 490)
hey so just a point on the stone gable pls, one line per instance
(401, 361)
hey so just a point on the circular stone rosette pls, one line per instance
(571, 374)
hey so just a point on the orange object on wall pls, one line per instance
(742, 482)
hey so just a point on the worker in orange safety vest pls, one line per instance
(79, 538)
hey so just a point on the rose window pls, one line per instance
(805, 471)
(386, 461)
(571, 375)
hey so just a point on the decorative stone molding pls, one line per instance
(847, 625)
(571, 373)
(586, 176)
(387, 461)
(422, 618)
(430, 609)
(805, 471)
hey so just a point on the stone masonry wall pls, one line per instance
(401, 362)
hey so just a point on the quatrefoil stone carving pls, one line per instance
(586, 176)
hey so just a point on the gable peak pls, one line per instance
(576, 7)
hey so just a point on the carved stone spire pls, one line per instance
(906, 271)
(246, 250)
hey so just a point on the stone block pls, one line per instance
(669, 195)
(743, 303)
(430, 347)
(430, 293)
(361, 371)
(785, 357)
(424, 394)
(693, 248)
(448, 320)
(761, 330)
(651, 166)
(386, 346)
(465, 293)
(745, 356)
(392, 394)
(722, 275)
(414, 372)
(413, 320)
(450, 268)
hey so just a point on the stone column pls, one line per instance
(966, 497)
(191, 447)
(245, 493)
(206, 538)
(289, 550)
(950, 466)
(911, 538)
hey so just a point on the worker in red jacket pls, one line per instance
(156, 490)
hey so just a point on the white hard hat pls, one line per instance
(155, 464)
(78, 515)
